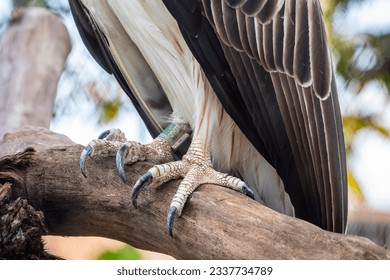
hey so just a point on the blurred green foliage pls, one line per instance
(109, 110)
(354, 124)
(125, 253)
(348, 51)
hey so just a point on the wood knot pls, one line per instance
(21, 228)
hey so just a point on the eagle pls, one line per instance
(237, 93)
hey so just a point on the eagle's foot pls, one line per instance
(107, 144)
(196, 169)
(159, 151)
(114, 143)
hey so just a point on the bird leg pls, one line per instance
(196, 169)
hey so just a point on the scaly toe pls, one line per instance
(104, 134)
(160, 174)
(130, 152)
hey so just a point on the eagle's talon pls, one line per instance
(106, 144)
(148, 176)
(248, 192)
(104, 134)
(120, 161)
(170, 219)
(85, 154)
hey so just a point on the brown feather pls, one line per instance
(251, 8)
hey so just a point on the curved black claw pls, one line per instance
(248, 192)
(83, 158)
(171, 219)
(104, 134)
(120, 159)
(138, 186)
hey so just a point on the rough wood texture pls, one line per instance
(217, 223)
(21, 228)
(33, 51)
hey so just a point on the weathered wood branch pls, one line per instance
(216, 223)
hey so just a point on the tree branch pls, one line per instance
(216, 223)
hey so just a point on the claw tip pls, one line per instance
(170, 219)
(134, 199)
(119, 159)
(104, 134)
(83, 158)
(248, 192)
(138, 186)
(83, 172)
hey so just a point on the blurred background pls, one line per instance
(90, 101)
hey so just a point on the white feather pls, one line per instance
(155, 32)
(127, 56)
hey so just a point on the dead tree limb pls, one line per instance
(216, 223)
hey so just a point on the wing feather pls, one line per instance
(243, 31)
(216, 9)
(289, 38)
(267, 48)
(230, 19)
(270, 9)
(321, 65)
(291, 45)
(252, 8)
(278, 41)
(301, 63)
(235, 3)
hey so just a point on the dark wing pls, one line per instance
(147, 95)
(269, 64)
